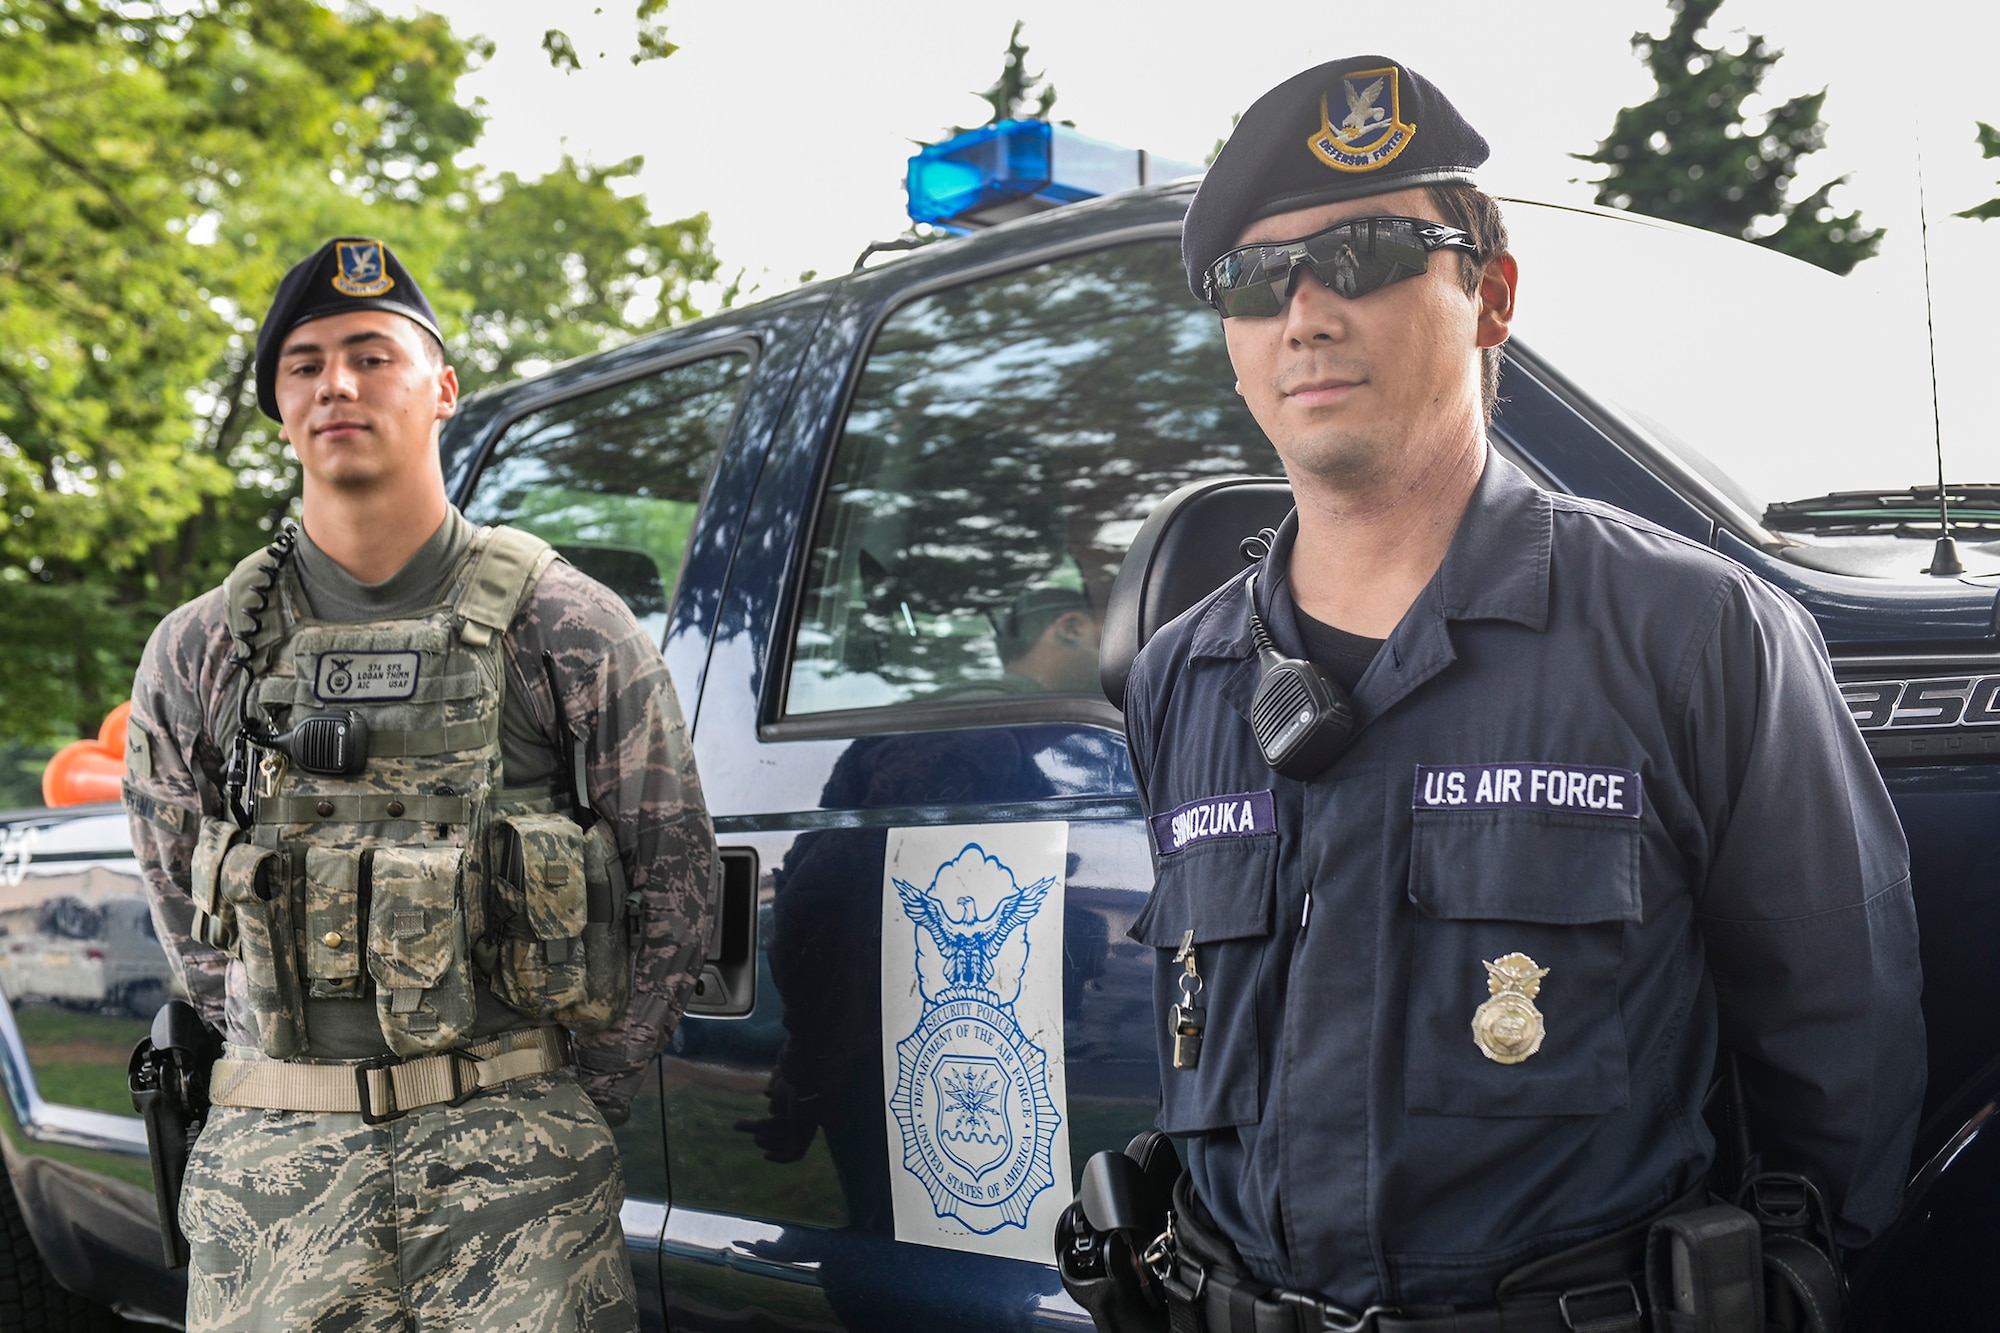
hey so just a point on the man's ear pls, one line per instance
(1498, 282)
(447, 393)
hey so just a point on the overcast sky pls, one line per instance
(790, 121)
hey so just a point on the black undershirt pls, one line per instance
(1343, 656)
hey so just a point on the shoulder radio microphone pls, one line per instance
(1301, 719)
(334, 744)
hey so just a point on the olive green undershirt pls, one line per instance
(344, 1029)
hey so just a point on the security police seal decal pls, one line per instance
(973, 1035)
(361, 271)
(1372, 132)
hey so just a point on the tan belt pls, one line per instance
(394, 1086)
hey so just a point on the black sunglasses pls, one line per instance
(1355, 258)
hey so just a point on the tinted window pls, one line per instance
(80, 968)
(613, 478)
(1006, 441)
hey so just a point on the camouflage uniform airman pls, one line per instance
(501, 1212)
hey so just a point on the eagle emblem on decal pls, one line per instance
(1508, 1028)
(972, 1104)
(1372, 132)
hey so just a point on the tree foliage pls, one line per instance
(1989, 146)
(1016, 94)
(161, 165)
(649, 40)
(1693, 154)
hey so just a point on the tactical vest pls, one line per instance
(410, 880)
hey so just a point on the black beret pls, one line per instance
(347, 273)
(1345, 130)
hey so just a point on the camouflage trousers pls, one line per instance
(501, 1214)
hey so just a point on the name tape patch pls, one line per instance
(1574, 787)
(342, 677)
(1240, 814)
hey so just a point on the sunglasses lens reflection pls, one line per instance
(1353, 259)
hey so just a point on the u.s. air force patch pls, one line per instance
(972, 1034)
(361, 271)
(1372, 132)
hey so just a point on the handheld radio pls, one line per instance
(1301, 719)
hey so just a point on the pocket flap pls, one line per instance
(546, 852)
(333, 913)
(205, 875)
(413, 915)
(1220, 890)
(1524, 865)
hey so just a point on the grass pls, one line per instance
(80, 1058)
(43, 1025)
(718, 1166)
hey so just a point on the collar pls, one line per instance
(1498, 565)
(1497, 568)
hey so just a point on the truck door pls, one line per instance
(925, 800)
(637, 468)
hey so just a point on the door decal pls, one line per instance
(973, 1035)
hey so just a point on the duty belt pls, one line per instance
(1592, 1288)
(384, 1089)
(1609, 1307)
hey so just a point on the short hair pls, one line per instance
(1016, 629)
(1477, 214)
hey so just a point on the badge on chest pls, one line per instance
(1507, 1027)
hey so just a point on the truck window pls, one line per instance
(613, 478)
(1007, 439)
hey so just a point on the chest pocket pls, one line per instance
(1556, 889)
(1223, 893)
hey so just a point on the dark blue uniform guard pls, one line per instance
(1592, 743)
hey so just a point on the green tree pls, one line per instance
(562, 266)
(161, 164)
(649, 40)
(1989, 146)
(1692, 154)
(1016, 94)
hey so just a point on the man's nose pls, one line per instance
(1312, 310)
(336, 381)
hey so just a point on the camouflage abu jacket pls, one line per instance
(640, 771)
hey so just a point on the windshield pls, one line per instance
(1770, 379)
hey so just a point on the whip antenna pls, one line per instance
(1944, 556)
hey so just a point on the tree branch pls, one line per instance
(73, 163)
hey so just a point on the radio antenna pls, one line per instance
(1944, 557)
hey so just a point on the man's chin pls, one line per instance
(1343, 461)
(350, 480)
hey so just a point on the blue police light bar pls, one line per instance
(1017, 167)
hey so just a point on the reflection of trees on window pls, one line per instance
(614, 478)
(1007, 435)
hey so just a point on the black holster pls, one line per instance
(168, 1078)
(1103, 1238)
(1804, 1286)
